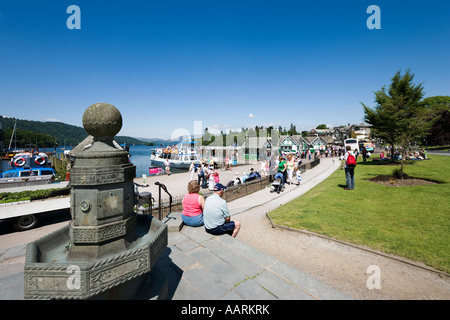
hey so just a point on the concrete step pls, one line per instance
(174, 222)
(201, 266)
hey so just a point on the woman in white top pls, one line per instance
(290, 168)
(192, 170)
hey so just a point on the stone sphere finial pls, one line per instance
(102, 120)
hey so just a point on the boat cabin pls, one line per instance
(19, 173)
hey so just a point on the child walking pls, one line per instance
(211, 182)
(299, 176)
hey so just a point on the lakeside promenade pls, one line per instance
(262, 263)
(199, 266)
(176, 183)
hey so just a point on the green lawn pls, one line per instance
(413, 222)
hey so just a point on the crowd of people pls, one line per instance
(328, 151)
(411, 155)
(213, 212)
(285, 167)
(206, 174)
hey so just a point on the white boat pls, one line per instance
(179, 157)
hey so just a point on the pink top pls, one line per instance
(191, 207)
(216, 177)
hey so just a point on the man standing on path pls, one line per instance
(349, 169)
(216, 216)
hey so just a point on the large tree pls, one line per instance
(399, 117)
(439, 107)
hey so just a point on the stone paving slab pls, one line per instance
(13, 252)
(280, 287)
(221, 268)
(251, 290)
(215, 265)
(11, 287)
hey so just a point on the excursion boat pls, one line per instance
(179, 157)
(154, 170)
(28, 166)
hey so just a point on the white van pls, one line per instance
(353, 143)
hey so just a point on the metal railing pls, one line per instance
(163, 187)
(146, 204)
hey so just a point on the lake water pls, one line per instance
(140, 157)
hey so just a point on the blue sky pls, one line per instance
(227, 63)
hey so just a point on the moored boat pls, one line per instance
(26, 167)
(154, 170)
(179, 157)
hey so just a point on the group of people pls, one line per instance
(417, 155)
(411, 155)
(284, 167)
(211, 213)
(245, 177)
(328, 151)
(207, 175)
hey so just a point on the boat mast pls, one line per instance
(13, 135)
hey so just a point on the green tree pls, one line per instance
(30, 139)
(206, 138)
(292, 130)
(400, 116)
(439, 107)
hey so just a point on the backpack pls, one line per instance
(351, 160)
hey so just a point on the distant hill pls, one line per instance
(61, 132)
(157, 141)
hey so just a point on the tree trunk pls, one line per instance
(402, 163)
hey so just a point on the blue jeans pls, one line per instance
(195, 221)
(204, 180)
(283, 177)
(350, 177)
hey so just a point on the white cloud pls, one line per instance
(52, 120)
(219, 126)
(271, 124)
(250, 115)
(216, 128)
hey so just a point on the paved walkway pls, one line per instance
(200, 266)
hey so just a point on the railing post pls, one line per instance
(160, 185)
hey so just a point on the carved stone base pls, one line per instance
(49, 275)
(151, 286)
